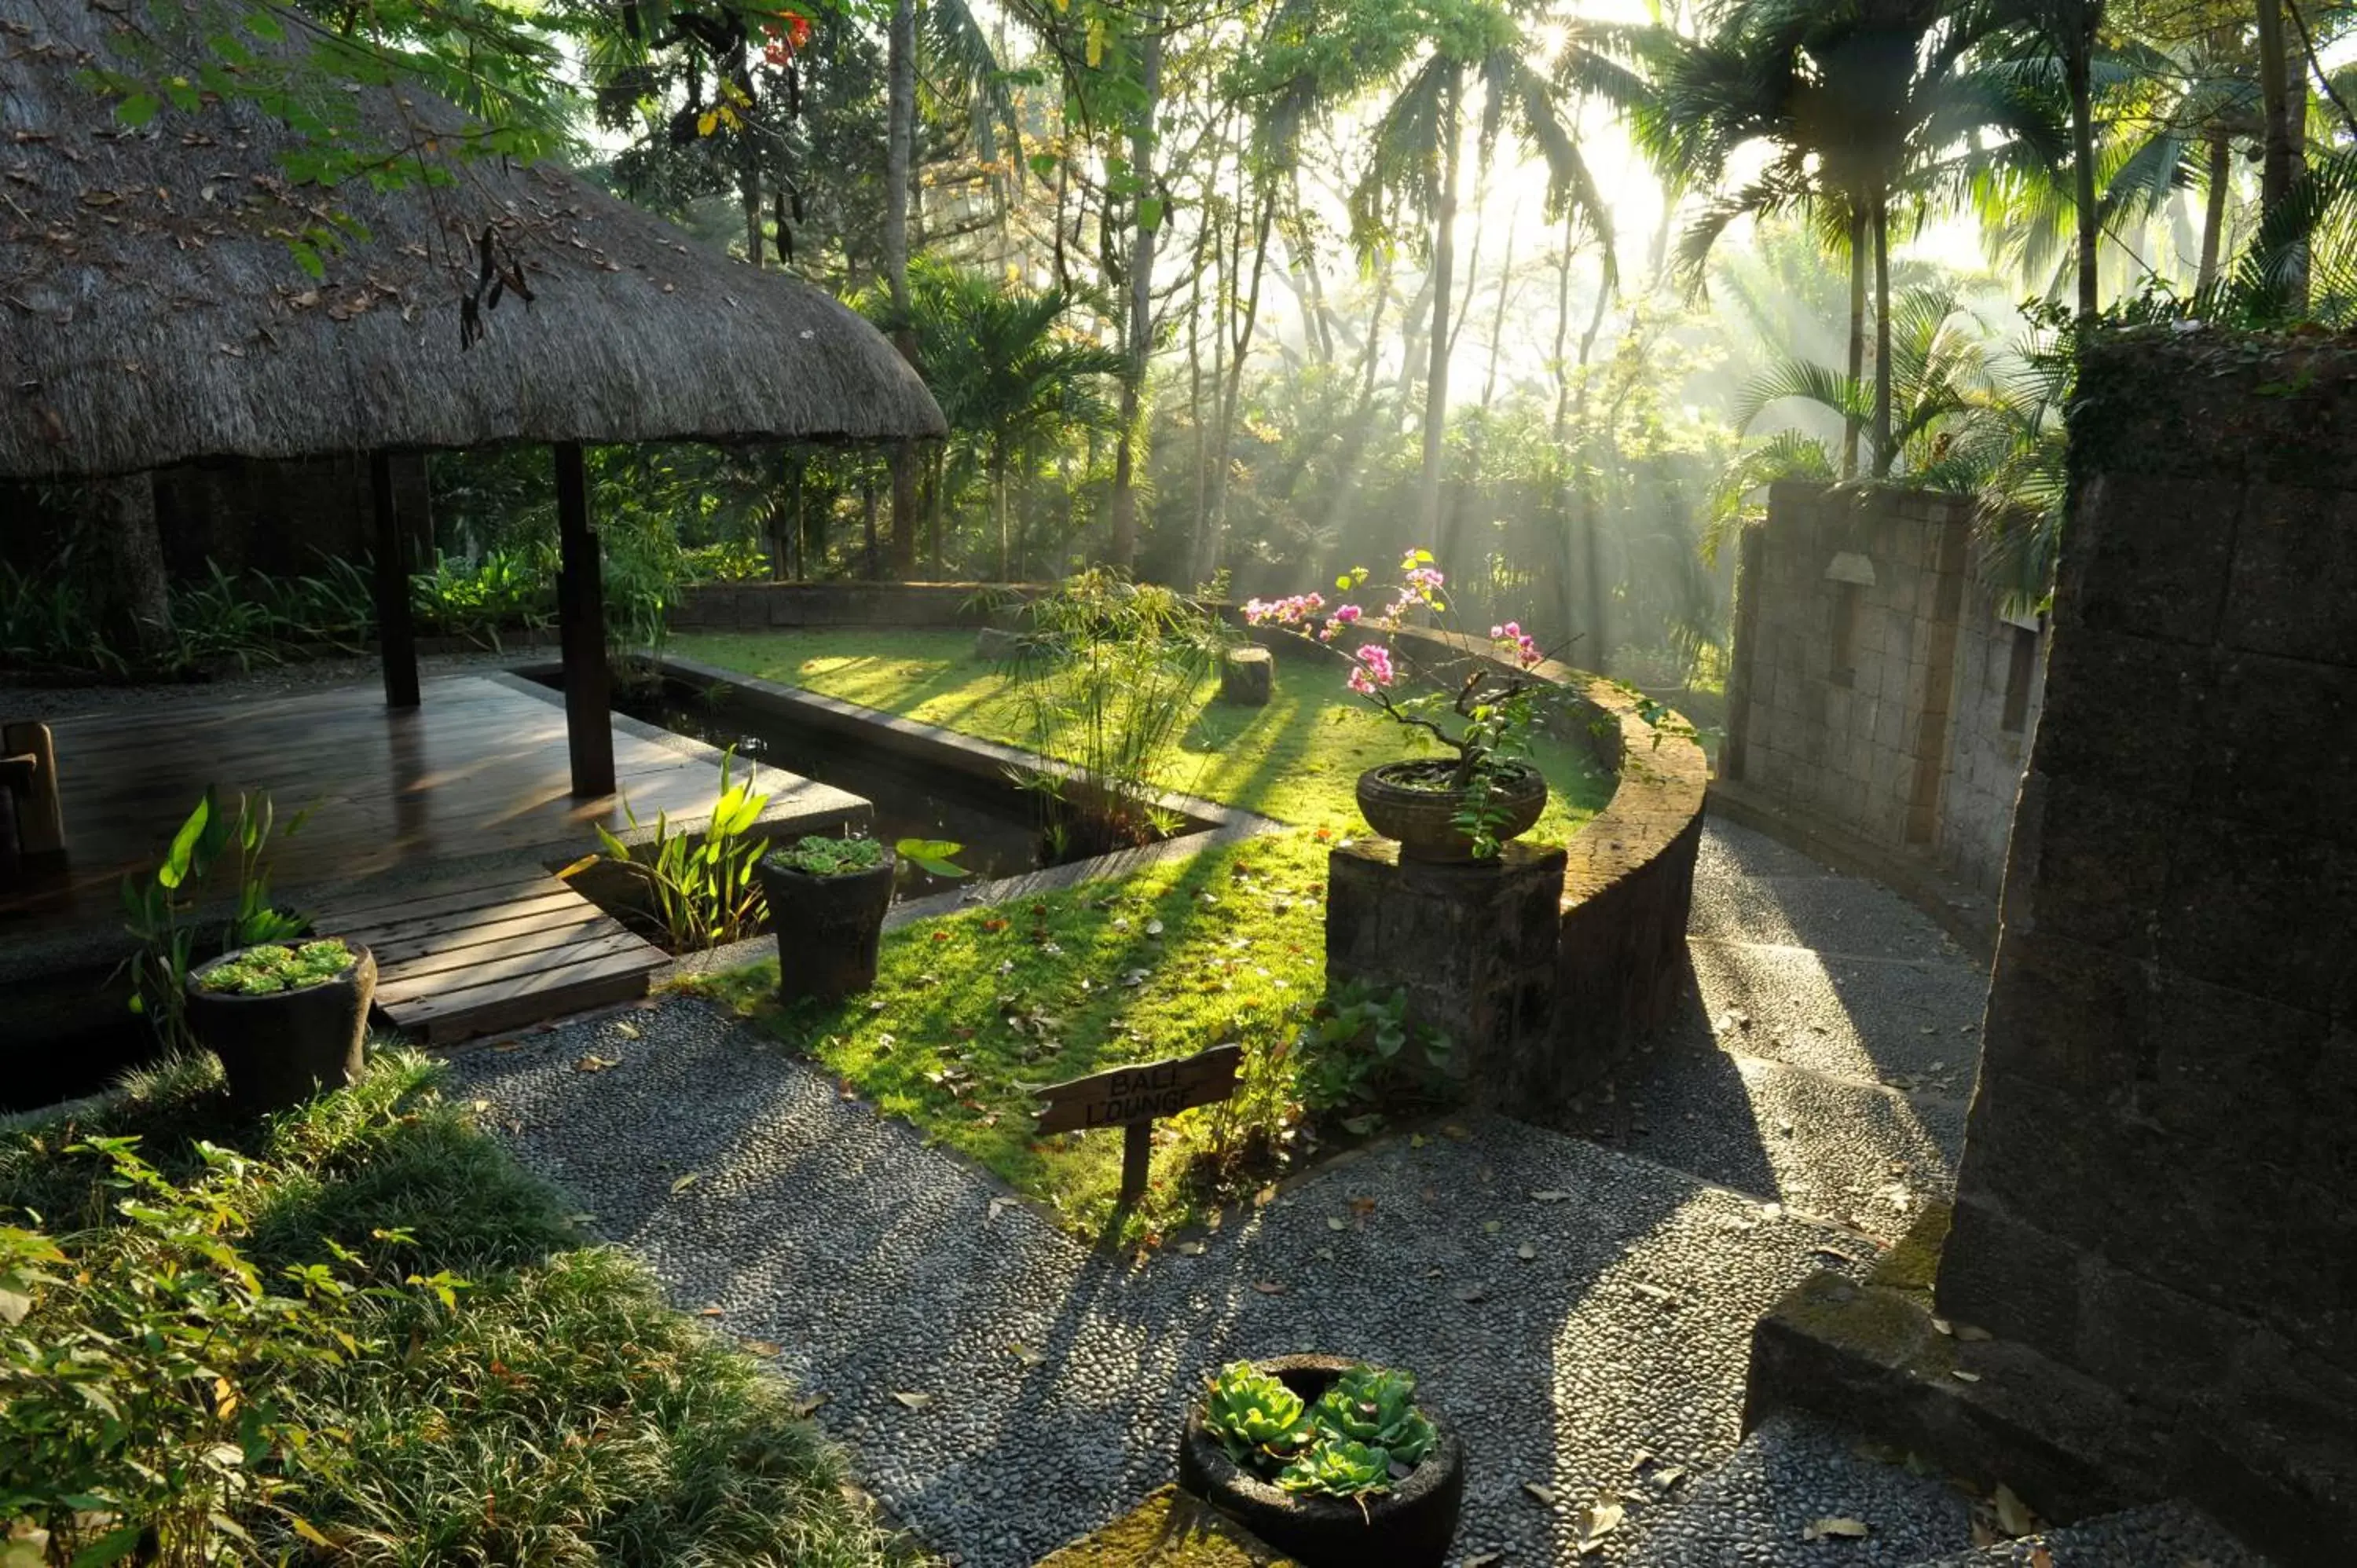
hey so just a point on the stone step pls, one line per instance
(2163, 1535)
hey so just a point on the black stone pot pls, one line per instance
(1408, 1527)
(280, 1049)
(827, 927)
(1423, 821)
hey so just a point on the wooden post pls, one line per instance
(581, 631)
(396, 635)
(1137, 1149)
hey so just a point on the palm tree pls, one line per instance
(1867, 107)
(1010, 374)
(1479, 49)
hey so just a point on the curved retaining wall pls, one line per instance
(1628, 881)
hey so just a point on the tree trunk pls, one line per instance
(2275, 149)
(2220, 176)
(899, 149)
(1857, 260)
(121, 515)
(1883, 454)
(2080, 67)
(1562, 331)
(748, 190)
(1240, 350)
(1123, 549)
(1443, 261)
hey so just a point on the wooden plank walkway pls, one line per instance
(478, 770)
(461, 960)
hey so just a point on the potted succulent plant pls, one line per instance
(827, 898)
(1459, 808)
(1328, 1460)
(287, 1020)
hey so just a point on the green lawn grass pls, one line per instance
(1296, 759)
(362, 1333)
(971, 1011)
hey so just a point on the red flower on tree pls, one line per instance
(788, 32)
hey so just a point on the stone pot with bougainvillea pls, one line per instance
(1463, 807)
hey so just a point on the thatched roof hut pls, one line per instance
(154, 311)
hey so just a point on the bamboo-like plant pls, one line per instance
(700, 887)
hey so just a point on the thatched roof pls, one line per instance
(152, 311)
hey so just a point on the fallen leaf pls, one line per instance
(627, 1031)
(507, 1044)
(999, 1203)
(1964, 1376)
(1970, 1335)
(1470, 1294)
(1190, 1249)
(1268, 1287)
(1491, 1226)
(1457, 1131)
(1325, 1253)
(807, 1408)
(1027, 1356)
(1600, 1519)
(914, 1402)
(1152, 928)
(1941, 1325)
(1548, 1194)
(1668, 1475)
(2040, 1557)
(1849, 1528)
(1336, 1222)
(683, 1183)
(1543, 1495)
(1526, 1251)
(1484, 1559)
(594, 1063)
(765, 1347)
(2013, 1515)
(1417, 1140)
(713, 1311)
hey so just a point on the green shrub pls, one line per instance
(701, 888)
(358, 1333)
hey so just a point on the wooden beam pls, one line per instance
(581, 631)
(396, 636)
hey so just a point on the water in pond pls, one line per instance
(998, 824)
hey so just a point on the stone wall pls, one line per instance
(1543, 1011)
(745, 607)
(1876, 688)
(2159, 1181)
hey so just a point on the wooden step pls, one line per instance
(492, 953)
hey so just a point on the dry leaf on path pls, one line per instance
(1600, 1519)
(914, 1402)
(683, 1183)
(1964, 1376)
(807, 1408)
(1549, 1195)
(594, 1063)
(1846, 1528)
(1268, 1287)
(1543, 1495)
(1027, 1356)
(1526, 1251)
(2013, 1515)
(765, 1348)
(1472, 1294)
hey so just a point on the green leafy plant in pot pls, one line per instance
(827, 898)
(1459, 808)
(1330, 1461)
(287, 1019)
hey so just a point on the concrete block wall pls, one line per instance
(2159, 1180)
(1872, 674)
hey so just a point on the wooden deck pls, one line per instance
(479, 769)
(456, 959)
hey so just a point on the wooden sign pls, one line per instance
(1132, 1097)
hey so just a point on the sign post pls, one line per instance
(1131, 1098)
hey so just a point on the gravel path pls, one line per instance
(1047, 1384)
(881, 1268)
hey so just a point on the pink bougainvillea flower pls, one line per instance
(1360, 684)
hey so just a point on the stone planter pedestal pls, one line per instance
(1247, 677)
(1474, 945)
